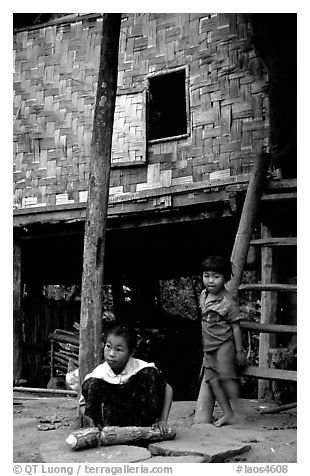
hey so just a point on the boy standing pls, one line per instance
(222, 338)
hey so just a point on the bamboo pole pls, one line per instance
(51, 391)
(98, 194)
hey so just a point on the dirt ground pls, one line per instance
(39, 419)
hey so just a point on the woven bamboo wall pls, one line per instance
(55, 83)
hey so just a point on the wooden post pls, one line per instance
(98, 195)
(247, 220)
(17, 313)
(268, 307)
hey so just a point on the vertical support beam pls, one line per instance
(17, 312)
(268, 307)
(98, 195)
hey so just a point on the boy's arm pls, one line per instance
(162, 421)
(237, 333)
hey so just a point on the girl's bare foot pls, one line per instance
(226, 420)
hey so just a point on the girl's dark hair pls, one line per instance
(124, 330)
(218, 264)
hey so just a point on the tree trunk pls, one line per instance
(116, 435)
(98, 194)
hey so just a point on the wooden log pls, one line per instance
(116, 435)
(71, 339)
(281, 408)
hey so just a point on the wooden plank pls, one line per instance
(270, 374)
(274, 197)
(268, 328)
(272, 185)
(281, 184)
(269, 287)
(272, 241)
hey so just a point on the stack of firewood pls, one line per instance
(64, 353)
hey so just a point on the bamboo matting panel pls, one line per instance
(55, 81)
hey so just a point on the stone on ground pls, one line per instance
(176, 459)
(206, 441)
(57, 451)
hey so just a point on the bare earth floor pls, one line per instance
(43, 423)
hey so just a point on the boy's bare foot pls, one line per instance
(226, 420)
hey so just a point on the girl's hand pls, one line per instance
(162, 426)
(241, 358)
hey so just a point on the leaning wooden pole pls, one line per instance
(205, 402)
(247, 221)
(90, 354)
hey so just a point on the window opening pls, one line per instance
(167, 105)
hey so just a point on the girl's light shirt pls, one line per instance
(104, 371)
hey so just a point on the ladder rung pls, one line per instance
(270, 374)
(285, 241)
(278, 196)
(268, 287)
(272, 328)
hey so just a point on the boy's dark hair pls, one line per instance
(124, 330)
(218, 264)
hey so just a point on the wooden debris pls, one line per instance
(51, 391)
(281, 408)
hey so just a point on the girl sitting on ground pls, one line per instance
(125, 391)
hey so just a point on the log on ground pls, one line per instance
(116, 435)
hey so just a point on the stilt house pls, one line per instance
(199, 98)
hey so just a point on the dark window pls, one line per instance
(167, 105)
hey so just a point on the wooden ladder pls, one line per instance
(267, 326)
(267, 287)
